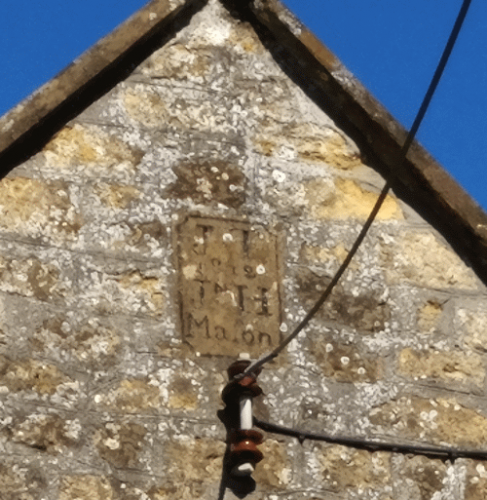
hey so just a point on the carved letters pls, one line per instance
(229, 288)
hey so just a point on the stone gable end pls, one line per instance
(196, 211)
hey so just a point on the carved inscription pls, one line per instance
(229, 286)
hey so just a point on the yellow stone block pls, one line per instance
(345, 199)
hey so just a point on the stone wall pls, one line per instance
(194, 212)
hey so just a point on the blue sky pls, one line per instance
(391, 46)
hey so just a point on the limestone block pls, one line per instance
(420, 259)
(20, 483)
(116, 195)
(345, 199)
(85, 487)
(207, 181)
(176, 61)
(90, 342)
(154, 108)
(193, 469)
(342, 469)
(32, 208)
(315, 254)
(90, 148)
(428, 316)
(229, 286)
(473, 325)
(122, 290)
(476, 481)
(426, 477)
(30, 278)
(44, 432)
(30, 375)
(425, 420)
(307, 141)
(346, 363)
(146, 107)
(243, 39)
(446, 366)
(275, 469)
(183, 394)
(364, 312)
(120, 443)
(131, 396)
(128, 236)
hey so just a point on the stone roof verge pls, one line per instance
(420, 180)
(88, 77)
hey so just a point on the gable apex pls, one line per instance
(322, 77)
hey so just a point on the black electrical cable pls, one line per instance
(365, 444)
(402, 156)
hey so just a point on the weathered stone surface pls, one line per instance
(146, 107)
(120, 444)
(342, 468)
(275, 469)
(346, 363)
(31, 278)
(48, 433)
(446, 366)
(308, 142)
(30, 375)
(476, 481)
(322, 255)
(131, 396)
(206, 181)
(85, 487)
(363, 312)
(109, 391)
(91, 342)
(194, 466)
(441, 420)
(117, 196)
(90, 147)
(474, 325)
(150, 108)
(420, 259)
(140, 292)
(345, 199)
(428, 316)
(182, 394)
(179, 62)
(32, 207)
(21, 483)
(426, 477)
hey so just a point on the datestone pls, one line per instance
(229, 286)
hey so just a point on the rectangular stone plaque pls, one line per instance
(229, 286)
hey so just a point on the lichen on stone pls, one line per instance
(343, 468)
(90, 146)
(120, 443)
(441, 420)
(131, 395)
(85, 487)
(33, 207)
(447, 366)
(31, 375)
(44, 432)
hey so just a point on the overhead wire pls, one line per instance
(380, 200)
(441, 452)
